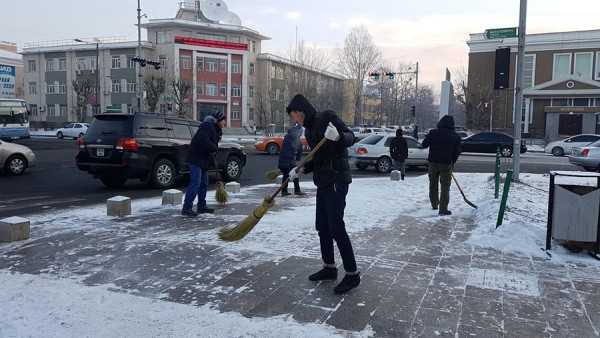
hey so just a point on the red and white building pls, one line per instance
(206, 45)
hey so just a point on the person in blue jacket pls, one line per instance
(201, 157)
(291, 151)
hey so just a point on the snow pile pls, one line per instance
(40, 306)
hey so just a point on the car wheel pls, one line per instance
(273, 149)
(233, 169)
(16, 165)
(384, 165)
(113, 181)
(506, 151)
(60, 135)
(362, 166)
(558, 151)
(163, 174)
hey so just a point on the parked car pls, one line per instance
(489, 143)
(587, 157)
(74, 130)
(148, 147)
(374, 151)
(272, 145)
(362, 132)
(566, 146)
(15, 158)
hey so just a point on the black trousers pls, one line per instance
(331, 202)
(286, 175)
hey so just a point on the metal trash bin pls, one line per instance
(574, 208)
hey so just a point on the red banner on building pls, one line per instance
(210, 43)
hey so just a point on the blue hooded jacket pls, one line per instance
(291, 149)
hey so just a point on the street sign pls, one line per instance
(501, 33)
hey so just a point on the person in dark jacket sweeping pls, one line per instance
(444, 149)
(331, 175)
(399, 152)
(201, 157)
(291, 151)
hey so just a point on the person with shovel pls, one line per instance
(331, 175)
(291, 151)
(444, 149)
(201, 157)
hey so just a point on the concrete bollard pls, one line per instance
(395, 175)
(279, 180)
(14, 229)
(119, 206)
(172, 197)
(232, 187)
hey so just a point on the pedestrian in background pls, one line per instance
(444, 149)
(201, 157)
(399, 152)
(291, 151)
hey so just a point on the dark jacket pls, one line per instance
(330, 164)
(205, 144)
(399, 149)
(443, 142)
(291, 149)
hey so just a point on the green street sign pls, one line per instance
(113, 109)
(501, 33)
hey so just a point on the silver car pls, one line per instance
(15, 158)
(374, 150)
(587, 157)
(568, 146)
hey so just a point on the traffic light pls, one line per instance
(390, 75)
(413, 111)
(144, 62)
(374, 76)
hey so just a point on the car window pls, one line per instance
(78, 126)
(152, 128)
(478, 138)
(388, 141)
(70, 125)
(180, 131)
(371, 140)
(502, 137)
(577, 139)
(115, 126)
(590, 138)
(412, 143)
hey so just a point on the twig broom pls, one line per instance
(220, 193)
(231, 234)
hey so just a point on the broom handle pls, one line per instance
(308, 158)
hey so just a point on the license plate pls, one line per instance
(100, 152)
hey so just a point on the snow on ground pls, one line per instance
(41, 306)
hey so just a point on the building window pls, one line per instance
(597, 65)
(223, 91)
(252, 70)
(581, 102)
(236, 68)
(50, 88)
(51, 110)
(32, 88)
(200, 87)
(211, 66)
(186, 61)
(63, 110)
(130, 108)
(131, 87)
(223, 66)
(62, 64)
(273, 71)
(562, 66)
(200, 64)
(81, 64)
(163, 61)
(62, 88)
(253, 46)
(51, 65)
(561, 102)
(211, 89)
(31, 66)
(583, 65)
(251, 91)
(236, 91)
(116, 86)
(235, 114)
(34, 109)
(529, 71)
(130, 61)
(161, 37)
(116, 62)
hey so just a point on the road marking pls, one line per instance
(14, 200)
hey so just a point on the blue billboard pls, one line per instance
(7, 81)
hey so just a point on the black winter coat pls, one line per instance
(291, 148)
(443, 142)
(399, 149)
(205, 145)
(330, 164)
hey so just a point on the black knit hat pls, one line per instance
(219, 116)
(301, 104)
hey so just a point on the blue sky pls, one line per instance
(430, 31)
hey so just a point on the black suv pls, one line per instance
(148, 147)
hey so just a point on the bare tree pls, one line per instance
(310, 56)
(358, 57)
(84, 90)
(155, 86)
(181, 91)
(474, 101)
(263, 114)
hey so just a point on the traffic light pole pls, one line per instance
(139, 53)
(518, 110)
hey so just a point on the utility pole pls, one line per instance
(416, 91)
(138, 67)
(518, 110)
(98, 76)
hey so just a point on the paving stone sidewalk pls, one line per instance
(420, 278)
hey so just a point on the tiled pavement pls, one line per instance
(419, 277)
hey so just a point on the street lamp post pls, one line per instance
(98, 96)
(139, 53)
(518, 112)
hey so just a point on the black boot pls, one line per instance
(189, 213)
(299, 193)
(285, 193)
(348, 283)
(324, 274)
(206, 210)
(445, 212)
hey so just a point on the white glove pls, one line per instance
(331, 133)
(295, 173)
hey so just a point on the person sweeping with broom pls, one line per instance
(331, 175)
(201, 157)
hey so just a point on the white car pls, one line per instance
(567, 146)
(362, 132)
(587, 157)
(374, 150)
(15, 158)
(74, 130)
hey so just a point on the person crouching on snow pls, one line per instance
(331, 175)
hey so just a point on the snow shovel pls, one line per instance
(471, 204)
(232, 234)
